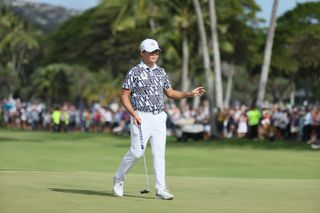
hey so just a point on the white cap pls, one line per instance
(149, 45)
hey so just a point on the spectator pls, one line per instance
(85, 120)
(221, 116)
(6, 106)
(65, 119)
(307, 127)
(35, 118)
(242, 126)
(265, 129)
(315, 132)
(96, 124)
(106, 118)
(254, 116)
(56, 119)
(280, 121)
(294, 124)
(72, 117)
(46, 120)
(231, 124)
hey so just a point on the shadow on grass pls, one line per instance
(91, 192)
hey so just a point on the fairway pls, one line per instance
(46, 172)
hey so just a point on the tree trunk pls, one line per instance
(197, 99)
(20, 69)
(206, 62)
(14, 63)
(216, 54)
(185, 65)
(292, 94)
(267, 55)
(152, 24)
(230, 74)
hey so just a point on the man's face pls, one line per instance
(150, 57)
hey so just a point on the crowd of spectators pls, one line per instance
(270, 123)
(63, 118)
(184, 122)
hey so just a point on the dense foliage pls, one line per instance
(89, 54)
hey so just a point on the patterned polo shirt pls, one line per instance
(147, 87)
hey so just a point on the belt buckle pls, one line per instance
(156, 112)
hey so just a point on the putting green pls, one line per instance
(38, 191)
(45, 172)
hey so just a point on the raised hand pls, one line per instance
(199, 91)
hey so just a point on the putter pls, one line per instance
(144, 162)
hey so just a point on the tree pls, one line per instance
(8, 81)
(267, 55)
(206, 63)
(296, 50)
(105, 37)
(17, 40)
(62, 82)
(240, 40)
(216, 54)
(105, 88)
(229, 71)
(182, 12)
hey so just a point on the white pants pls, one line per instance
(154, 127)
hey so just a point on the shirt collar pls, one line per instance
(144, 66)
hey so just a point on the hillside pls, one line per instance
(43, 16)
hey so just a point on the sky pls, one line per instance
(266, 5)
(72, 4)
(284, 5)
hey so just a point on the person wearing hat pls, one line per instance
(142, 96)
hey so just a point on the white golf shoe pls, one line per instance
(164, 194)
(117, 187)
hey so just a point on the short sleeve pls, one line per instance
(128, 81)
(167, 83)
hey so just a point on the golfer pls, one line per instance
(142, 96)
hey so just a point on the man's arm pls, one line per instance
(177, 95)
(125, 101)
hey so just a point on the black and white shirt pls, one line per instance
(147, 87)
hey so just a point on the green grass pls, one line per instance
(47, 172)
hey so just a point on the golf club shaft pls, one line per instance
(144, 158)
(145, 167)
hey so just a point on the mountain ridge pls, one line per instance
(43, 16)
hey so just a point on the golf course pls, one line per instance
(72, 173)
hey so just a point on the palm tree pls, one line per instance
(267, 55)
(216, 53)
(229, 71)
(182, 20)
(16, 39)
(52, 82)
(130, 13)
(206, 63)
(60, 82)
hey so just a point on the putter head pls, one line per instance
(145, 191)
